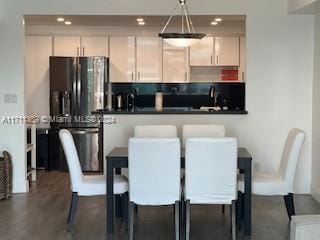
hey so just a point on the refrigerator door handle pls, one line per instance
(79, 88)
(74, 89)
(84, 131)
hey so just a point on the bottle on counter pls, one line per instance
(158, 101)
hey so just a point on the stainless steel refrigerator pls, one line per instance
(77, 88)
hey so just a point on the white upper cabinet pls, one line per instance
(242, 67)
(94, 46)
(122, 59)
(149, 59)
(227, 52)
(66, 46)
(175, 64)
(202, 53)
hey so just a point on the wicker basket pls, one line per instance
(5, 176)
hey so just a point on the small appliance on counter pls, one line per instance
(130, 101)
(119, 101)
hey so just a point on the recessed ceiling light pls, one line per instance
(140, 20)
(214, 23)
(60, 19)
(67, 22)
(141, 23)
(218, 19)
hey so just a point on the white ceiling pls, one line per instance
(99, 20)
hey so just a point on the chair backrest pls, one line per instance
(211, 170)
(155, 131)
(290, 156)
(154, 170)
(196, 130)
(72, 157)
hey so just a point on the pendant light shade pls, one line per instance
(183, 38)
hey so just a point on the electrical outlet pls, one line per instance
(10, 98)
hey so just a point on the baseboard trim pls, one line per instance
(315, 193)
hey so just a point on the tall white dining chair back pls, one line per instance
(290, 156)
(72, 158)
(155, 131)
(202, 130)
(282, 182)
(211, 170)
(154, 175)
(154, 171)
(86, 185)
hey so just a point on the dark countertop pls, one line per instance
(169, 110)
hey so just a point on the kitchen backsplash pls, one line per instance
(184, 94)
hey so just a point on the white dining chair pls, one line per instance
(281, 183)
(202, 130)
(154, 175)
(155, 131)
(86, 185)
(211, 175)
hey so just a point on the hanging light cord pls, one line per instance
(185, 17)
(171, 15)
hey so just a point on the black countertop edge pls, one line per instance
(172, 112)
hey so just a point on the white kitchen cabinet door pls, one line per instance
(94, 46)
(227, 51)
(175, 64)
(149, 59)
(202, 53)
(242, 67)
(38, 49)
(66, 46)
(122, 59)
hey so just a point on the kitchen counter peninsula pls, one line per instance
(169, 110)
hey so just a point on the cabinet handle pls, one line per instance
(138, 75)
(83, 51)
(132, 76)
(185, 76)
(211, 59)
(77, 51)
(242, 76)
(217, 60)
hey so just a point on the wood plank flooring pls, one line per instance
(42, 213)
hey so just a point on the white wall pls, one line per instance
(1, 9)
(315, 183)
(279, 73)
(303, 6)
(38, 49)
(12, 81)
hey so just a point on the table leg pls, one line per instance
(110, 200)
(118, 208)
(247, 199)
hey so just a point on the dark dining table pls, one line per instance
(118, 159)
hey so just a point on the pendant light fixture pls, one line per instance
(184, 38)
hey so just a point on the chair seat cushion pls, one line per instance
(305, 227)
(96, 185)
(265, 184)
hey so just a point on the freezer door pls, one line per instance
(87, 143)
(91, 85)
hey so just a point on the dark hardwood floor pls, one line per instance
(42, 213)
